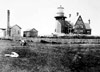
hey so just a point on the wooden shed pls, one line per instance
(30, 33)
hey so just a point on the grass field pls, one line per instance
(39, 57)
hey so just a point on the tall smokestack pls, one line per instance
(8, 16)
(8, 23)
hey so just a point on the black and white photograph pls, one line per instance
(49, 36)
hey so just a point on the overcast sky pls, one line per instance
(40, 14)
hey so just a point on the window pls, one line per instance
(18, 32)
(81, 30)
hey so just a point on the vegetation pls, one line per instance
(74, 37)
(52, 58)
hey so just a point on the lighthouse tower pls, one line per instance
(60, 20)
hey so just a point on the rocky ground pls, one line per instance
(40, 57)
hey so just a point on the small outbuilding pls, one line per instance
(30, 33)
(15, 31)
(2, 32)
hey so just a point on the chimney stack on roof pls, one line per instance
(77, 13)
(89, 21)
(69, 15)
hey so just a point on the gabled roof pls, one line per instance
(33, 29)
(65, 23)
(79, 20)
(87, 25)
(79, 23)
(17, 26)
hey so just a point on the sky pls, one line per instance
(39, 14)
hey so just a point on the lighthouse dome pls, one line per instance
(60, 11)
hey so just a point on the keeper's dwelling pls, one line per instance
(81, 28)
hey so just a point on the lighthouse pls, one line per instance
(60, 20)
